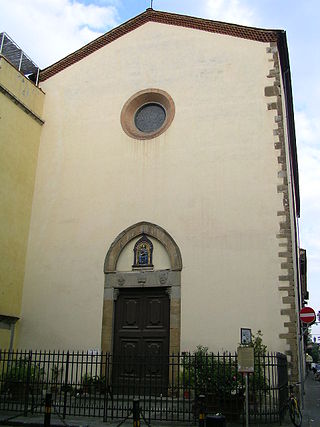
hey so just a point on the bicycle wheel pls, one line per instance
(295, 413)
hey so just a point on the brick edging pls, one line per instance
(150, 15)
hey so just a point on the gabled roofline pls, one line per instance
(233, 30)
(151, 15)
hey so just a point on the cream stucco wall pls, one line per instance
(19, 143)
(210, 181)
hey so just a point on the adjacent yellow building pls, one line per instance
(21, 103)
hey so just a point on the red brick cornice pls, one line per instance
(151, 15)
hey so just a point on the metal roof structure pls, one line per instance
(11, 51)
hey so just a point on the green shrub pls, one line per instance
(209, 374)
(258, 382)
(22, 376)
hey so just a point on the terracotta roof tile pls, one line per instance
(151, 15)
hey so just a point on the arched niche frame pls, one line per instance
(115, 280)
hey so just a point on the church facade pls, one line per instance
(166, 197)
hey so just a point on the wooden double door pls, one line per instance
(141, 340)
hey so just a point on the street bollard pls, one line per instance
(136, 412)
(201, 410)
(47, 410)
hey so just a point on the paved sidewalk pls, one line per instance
(311, 412)
(311, 415)
(37, 421)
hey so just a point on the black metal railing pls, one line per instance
(98, 385)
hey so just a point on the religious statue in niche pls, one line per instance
(143, 253)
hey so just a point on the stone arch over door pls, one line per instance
(170, 279)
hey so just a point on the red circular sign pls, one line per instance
(307, 315)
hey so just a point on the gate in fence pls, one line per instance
(97, 385)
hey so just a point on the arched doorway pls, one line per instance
(142, 291)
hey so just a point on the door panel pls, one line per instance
(141, 340)
(155, 315)
(131, 311)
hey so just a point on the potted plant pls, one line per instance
(22, 377)
(93, 384)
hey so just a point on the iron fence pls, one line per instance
(98, 385)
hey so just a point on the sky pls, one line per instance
(48, 30)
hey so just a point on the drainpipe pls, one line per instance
(37, 78)
(12, 327)
(20, 62)
(2, 43)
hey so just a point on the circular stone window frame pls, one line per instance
(136, 102)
